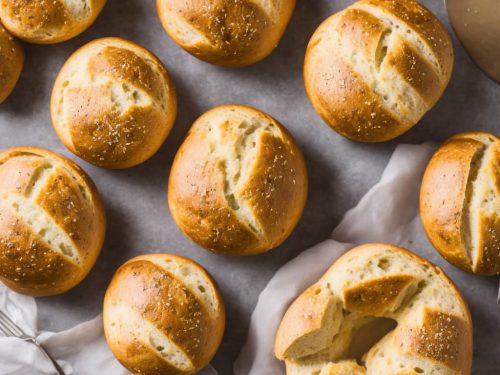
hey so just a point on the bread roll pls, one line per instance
(52, 222)
(113, 103)
(231, 33)
(163, 314)
(431, 330)
(11, 63)
(460, 202)
(373, 70)
(49, 21)
(238, 184)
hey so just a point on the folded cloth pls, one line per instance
(387, 213)
(81, 350)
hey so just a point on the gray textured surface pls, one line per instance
(340, 171)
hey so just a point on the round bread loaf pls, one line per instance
(232, 33)
(373, 70)
(163, 315)
(460, 202)
(113, 103)
(52, 222)
(11, 63)
(238, 184)
(331, 323)
(49, 21)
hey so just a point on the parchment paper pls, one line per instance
(388, 213)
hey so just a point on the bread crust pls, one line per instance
(463, 174)
(46, 22)
(434, 330)
(11, 63)
(150, 288)
(270, 182)
(113, 103)
(230, 33)
(52, 222)
(373, 70)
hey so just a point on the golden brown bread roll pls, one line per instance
(49, 21)
(163, 315)
(52, 222)
(113, 103)
(373, 70)
(326, 326)
(238, 184)
(11, 63)
(460, 202)
(232, 33)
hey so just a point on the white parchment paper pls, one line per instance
(81, 350)
(387, 213)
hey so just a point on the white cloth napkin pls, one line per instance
(81, 350)
(387, 213)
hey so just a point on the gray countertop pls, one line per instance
(340, 171)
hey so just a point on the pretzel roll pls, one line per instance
(460, 202)
(327, 328)
(238, 184)
(113, 103)
(373, 70)
(163, 315)
(49, 21)
(52, 222)
(11, 63)
(231, 33)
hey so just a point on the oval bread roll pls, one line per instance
(238, 184)
(113, 103)
(373, 70)
(11, 63)
(232, 33)
(49, 21)
(163, 315)
(368, 286)
(460, 202)
(52, 222)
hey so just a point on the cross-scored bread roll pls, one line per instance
(113, 103)
(325, 327)
(11, 63)
(232, 33)
(49, 21)
(163, 315)
(373, 70)
(238, 184)
(52, 222)
(460, 202)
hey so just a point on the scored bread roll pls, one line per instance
(373, 70)
(49, 21)
(163, 314)
(238, 184)
(11, 63)
(460, 202)
(231, 33)
(113, 103)
(52, 222)
(338, 320)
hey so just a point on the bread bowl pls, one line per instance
(52, 222)
(231, 33)
(238, 184)
(374, 69)
(113, 103)
(163, 314)
(460, 202)
(11, 63)
(366, 287)
(44, 22)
